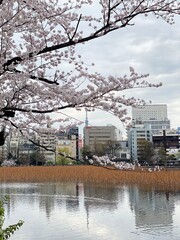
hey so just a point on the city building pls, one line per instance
(123, 152)
(95, 135)
(47, 138)
(73, 133)
(136, 135)
(14, 144)
(169, 140)
(61, 135)
(45, 142)
(20, 148)
(154, 115)
(25, 149)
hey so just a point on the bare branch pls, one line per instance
(76, 27)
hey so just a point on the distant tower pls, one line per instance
(86, 121)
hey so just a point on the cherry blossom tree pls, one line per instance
(40, 69)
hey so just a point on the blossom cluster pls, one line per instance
(105, 161)
(8, 163)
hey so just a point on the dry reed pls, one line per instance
(163, 180)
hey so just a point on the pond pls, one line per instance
(83, 211)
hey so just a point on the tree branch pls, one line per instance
(76, 27)
(14, 62)
(108, 27)
(37, 111)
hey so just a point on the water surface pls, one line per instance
(79, 211)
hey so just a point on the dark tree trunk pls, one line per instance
(2, 137)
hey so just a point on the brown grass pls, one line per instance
(163, 180)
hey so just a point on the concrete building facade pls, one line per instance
(123, 153)
(73, 133)
(100, 135)
(168, 140)
(135, 136)
(47, 138)
(154, 115)
(46, 142)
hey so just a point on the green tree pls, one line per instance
(37, 158)
(112, 147)
(23, 159)
(6, 233)
(171, 157)
(108, 147)
(63, 160)
(99, 149)
(86, 152)
(162, 155)
(178, 154)
(145, 151)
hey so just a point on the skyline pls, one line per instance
(109, 120)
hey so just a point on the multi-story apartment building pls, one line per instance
(73, 133)
(21, 148)
(45, 142)
(169, 140)
(26, 148)
(136, 135)
(154, 115)
(94, 135)
(47, 139)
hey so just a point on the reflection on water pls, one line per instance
(80, 211)
(153, 211)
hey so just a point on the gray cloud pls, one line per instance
(150, 46)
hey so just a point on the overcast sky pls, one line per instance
(151, 46)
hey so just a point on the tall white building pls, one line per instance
(154, 115)
(135, 136)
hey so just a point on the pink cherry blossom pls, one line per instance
(41, 71)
